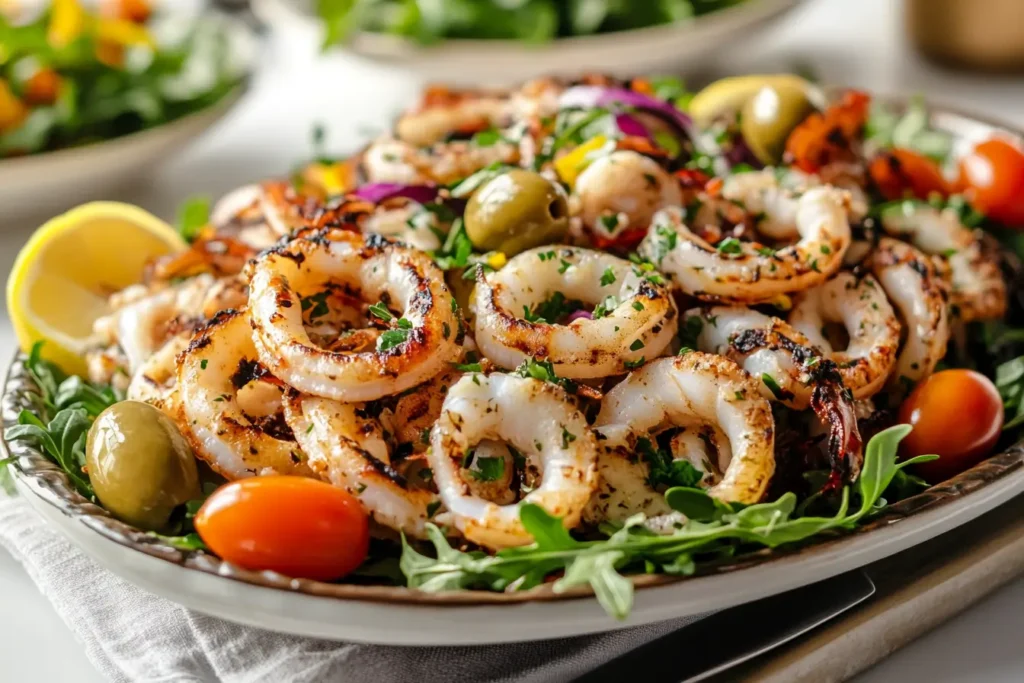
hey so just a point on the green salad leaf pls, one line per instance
(712, 528)
(186, 64)
(531, 21)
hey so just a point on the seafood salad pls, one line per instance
(568, 332)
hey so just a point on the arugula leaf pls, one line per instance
(65, 408)
(713, 528)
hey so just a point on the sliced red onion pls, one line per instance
(740, 153)
(378, 192)
(576, 315)
(588, 96)
(629, 125)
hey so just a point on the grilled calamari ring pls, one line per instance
(403, 279)
(860, 305)
(540, 421)
(156, 381)
(791, 369)
(921, 295)
(693, 390)
(745, 272)
(979, 291)
(346, 448)
(634, 318)
(218, 363)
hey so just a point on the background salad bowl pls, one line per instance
(366, 611)
(684, 44)
(107, 125)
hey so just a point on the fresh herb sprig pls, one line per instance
(712, 527)
(63, 410)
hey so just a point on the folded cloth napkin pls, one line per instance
(131, 635)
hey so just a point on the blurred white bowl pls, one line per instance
(671, 47)
(53, 181)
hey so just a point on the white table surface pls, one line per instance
(858, 43)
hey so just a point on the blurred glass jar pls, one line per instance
(974, 34)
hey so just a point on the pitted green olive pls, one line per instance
(516, 211)
(139, 464)
(769, 116)
(730, 94)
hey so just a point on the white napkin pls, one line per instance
(131, 635)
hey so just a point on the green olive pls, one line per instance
(139, 464)
(516, 211)
(770, 116)
(728, 95)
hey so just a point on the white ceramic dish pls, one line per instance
(671, 48)
(401, 616)
(400, 623)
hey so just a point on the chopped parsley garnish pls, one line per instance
(609, 222)
(381, 311)
(544, 371)
(392, 338)
(730, 245)
(567, 437)
(634, 364)
(638, 306)
(563, 266)
(486, 138)
(609, 304)
(770, 382)
(488, 469)
(607, 277)
(664, 470)
(468, 367)
(315, 304)
(667, 239)
(551, 309)
(636, 345)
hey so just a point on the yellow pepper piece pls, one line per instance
(332, 179)
(783, 302)
(124, 33)
(68, 20)
(572, 164)
(12, 110)
(497, 260)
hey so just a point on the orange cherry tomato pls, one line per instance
(901, 172)
(957, 415)
(293, 525)
(42, 87)
(993, 177)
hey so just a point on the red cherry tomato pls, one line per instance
(957, 415)
(993, 177)
(296, 526)
(901, 172)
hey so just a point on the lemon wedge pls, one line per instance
(63, 275)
